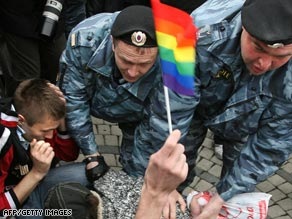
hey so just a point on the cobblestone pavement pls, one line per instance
(108, 136)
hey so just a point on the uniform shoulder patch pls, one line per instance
(73, 40)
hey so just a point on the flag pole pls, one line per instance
(167, 109)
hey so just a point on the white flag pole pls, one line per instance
(168, 109)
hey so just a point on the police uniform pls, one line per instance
(253, 114)
(93, 86)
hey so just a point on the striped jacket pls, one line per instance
(14, 158)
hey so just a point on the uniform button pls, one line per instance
(221, 28)
(253, 88)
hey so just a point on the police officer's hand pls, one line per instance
(42, 155)
(58, 92)
(62, 126)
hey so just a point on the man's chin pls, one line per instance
(255, 71)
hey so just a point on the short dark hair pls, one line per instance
(35, 99)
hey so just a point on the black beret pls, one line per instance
(268, 20)
(135, 26)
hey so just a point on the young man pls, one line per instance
(245, 73)
(33, 134)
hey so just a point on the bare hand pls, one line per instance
(42, 155)
(209, 211)
(62, 126)
(167, 168)
(169, 211)
(58, 92)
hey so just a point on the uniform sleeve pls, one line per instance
(264, 152)
(77, 85)
(152, 132)
(77, 82)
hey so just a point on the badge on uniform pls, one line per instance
(223, 73)
(138, 38)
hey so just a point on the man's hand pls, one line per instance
(209, 211)
(169, 210)
(58, 92)
(62, 126)
(167, 167)
(42, 155)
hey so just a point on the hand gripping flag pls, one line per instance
(176, 39)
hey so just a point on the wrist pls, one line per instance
(36, 175)
(154, 197)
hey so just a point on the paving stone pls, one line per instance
(286, 187)
(111, 140)
(195, 182)
(276, 180)
(285, 175)
(204, 164)
(265, 186)
(104, 129)
(99, 139)
(209, 177)
(115, 130)
(276, 211)
(97, 121)
(215, 160)
(116, 168)
(209, 134)
(215, 170)
(283, 217)
(203, 185)
(287, 167)
(208, 143)
(110, 159)
(207, 153)
(277, 195)
(286, 204)
(289, 213)
(110, 123)
(95, 129)
(109, 149)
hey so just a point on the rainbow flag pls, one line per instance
(176, 38)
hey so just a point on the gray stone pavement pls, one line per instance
(108, 136)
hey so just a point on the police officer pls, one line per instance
(245, 71)
(110, 69)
